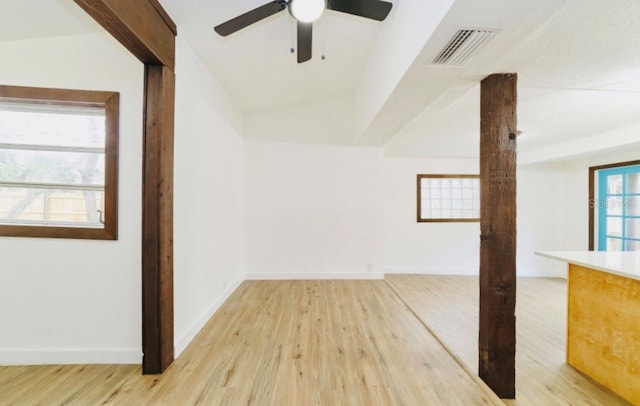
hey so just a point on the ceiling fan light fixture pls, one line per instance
(307, 11)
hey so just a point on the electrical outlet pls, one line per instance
(370, 267)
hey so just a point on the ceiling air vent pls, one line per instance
(463, 44)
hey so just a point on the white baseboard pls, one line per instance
(543, 273)
(61, 356)
(312, 276)
(432, 271)
(57, 356)
(183, 341)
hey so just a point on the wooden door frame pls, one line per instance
(147, 31)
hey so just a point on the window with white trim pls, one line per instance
(58, 163)
(448, 198)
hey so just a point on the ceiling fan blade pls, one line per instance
(250, 17)
(373, 9)
(305, 38)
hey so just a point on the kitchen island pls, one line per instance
(603, 318)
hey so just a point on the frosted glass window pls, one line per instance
(448, 198)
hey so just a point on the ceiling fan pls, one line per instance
(306, 12)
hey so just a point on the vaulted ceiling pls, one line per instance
(256, 65)
(577, 60)
(578, 63)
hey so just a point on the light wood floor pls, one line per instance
(448, 305)
(335, 343)
(278, 343)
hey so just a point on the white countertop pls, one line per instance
(625, 264)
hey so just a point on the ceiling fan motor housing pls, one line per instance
(307, 11)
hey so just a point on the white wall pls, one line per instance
(313, 211)
(453, 248)
(431, 248)
(553, 212)
(209, 196)
(329, 122)
(575, 196)
(66, 301)
(77, 301)
(541, 211)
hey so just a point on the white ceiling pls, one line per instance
(25, 19)
(578, 64)
(255, 64)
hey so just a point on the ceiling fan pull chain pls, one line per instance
(293, 33)
(323, 34)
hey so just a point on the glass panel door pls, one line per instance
(619, 209)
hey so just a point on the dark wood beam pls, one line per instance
(142, 26)
(148, 32)
(157, 228)
(498, 131)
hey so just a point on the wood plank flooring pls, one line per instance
(278, 343)
(448, 305)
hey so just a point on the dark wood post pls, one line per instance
(148, 32)
(157, 220)
(498, 131)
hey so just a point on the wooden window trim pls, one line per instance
(592, 196)
(419, 200)
(68, 97)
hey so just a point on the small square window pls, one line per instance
(450, 198)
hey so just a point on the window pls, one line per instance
(58, 163)
(448, 198)
(617, 207)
